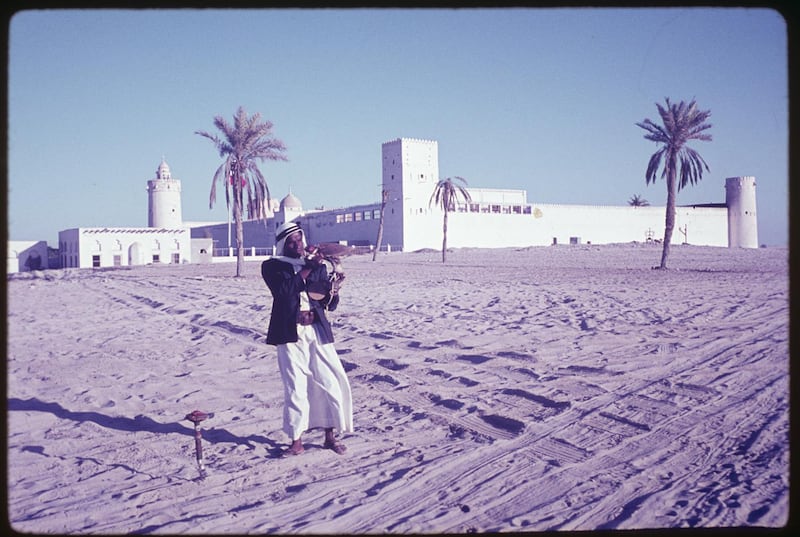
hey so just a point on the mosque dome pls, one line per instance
(291, 202)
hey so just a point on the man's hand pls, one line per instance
(313, 256)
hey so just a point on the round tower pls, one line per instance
(164, 199)
(740, 197)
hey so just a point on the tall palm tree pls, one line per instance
(247, 140)
(682, 165)
(384, 199)
(638, 201)
(446, 194)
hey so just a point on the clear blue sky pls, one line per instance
(540, 99)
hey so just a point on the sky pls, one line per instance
(540, 99)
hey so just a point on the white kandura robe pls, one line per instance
(315, 386)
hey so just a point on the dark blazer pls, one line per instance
(286, 287)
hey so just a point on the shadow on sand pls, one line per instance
(138, 423)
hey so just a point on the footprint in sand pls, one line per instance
(474, 358)
(391, 364)
(420, 346)
(381, 335)
(385, 378)
(452, 404)
(504, 423)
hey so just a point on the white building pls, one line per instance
(117, 247)
(165, 241)
(410, 172)
(23, 256)
(497, 217)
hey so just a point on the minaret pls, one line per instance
(740, 197)
(164, 199)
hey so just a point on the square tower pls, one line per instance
(410, 173)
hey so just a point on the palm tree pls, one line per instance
(446, 194)
(384, 199)
(638, 201)
(244, 142)
(682, 165)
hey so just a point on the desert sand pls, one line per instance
(511, 390)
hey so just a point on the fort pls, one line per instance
(494, 218)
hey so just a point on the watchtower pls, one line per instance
(740, 197)
(410, 173)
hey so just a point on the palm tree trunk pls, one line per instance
(669, 221)
(444, 237)
(385, 198)
(237, 218)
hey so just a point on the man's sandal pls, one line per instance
(335, 446)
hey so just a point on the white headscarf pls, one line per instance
(283, 231)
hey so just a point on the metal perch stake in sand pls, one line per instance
(196, 417)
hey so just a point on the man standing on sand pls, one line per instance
(315, 386)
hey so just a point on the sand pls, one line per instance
(544, 388)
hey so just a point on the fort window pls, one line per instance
(95, 261)
(117, 260)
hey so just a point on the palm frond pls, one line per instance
(652, 166)
(247, 140)
(682, 122)
(692, 165)
(220, 173)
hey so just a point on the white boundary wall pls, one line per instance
(565, 223)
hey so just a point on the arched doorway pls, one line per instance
(135, 254)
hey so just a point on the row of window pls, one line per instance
(485, 208)
(358, 216)
(72, 260)
(494, 208)
(72, 247)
